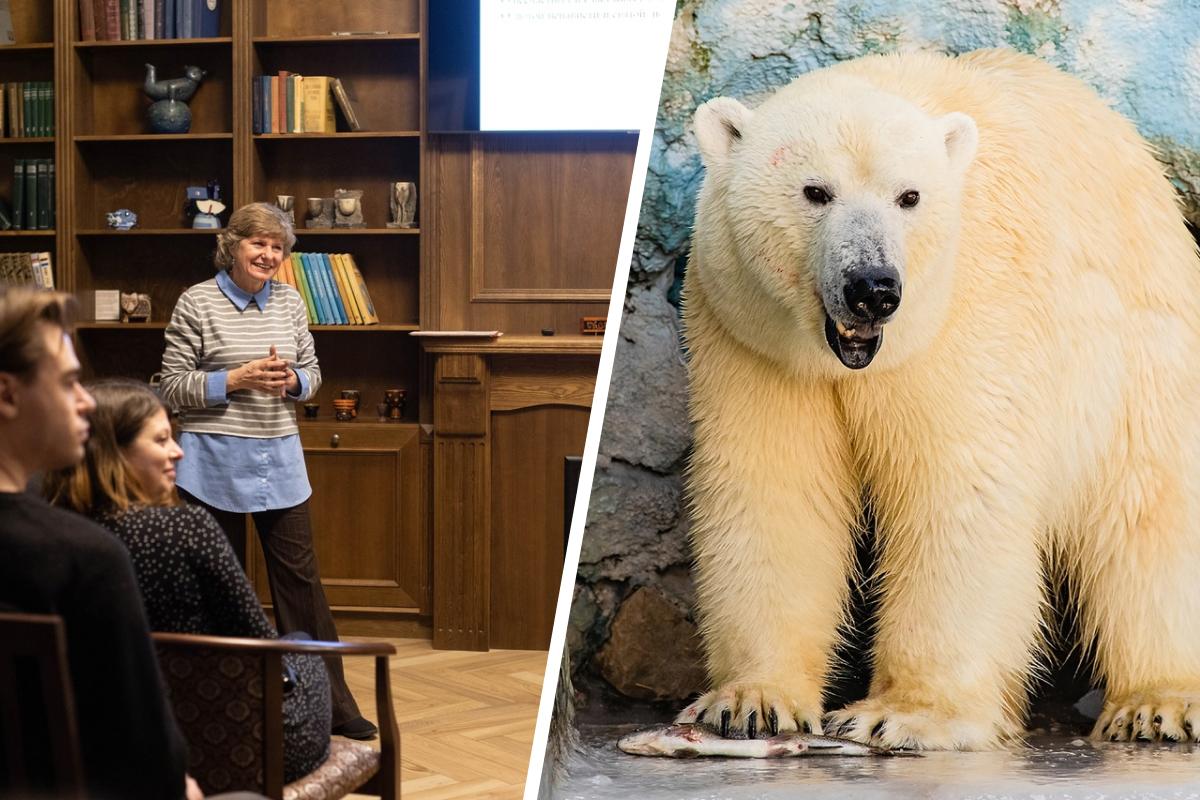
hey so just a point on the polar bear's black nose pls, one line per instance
(873, 297)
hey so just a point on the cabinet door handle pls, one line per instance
(334, 440)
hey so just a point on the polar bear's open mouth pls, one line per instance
(854, 347)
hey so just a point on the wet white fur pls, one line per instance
(1032, 408)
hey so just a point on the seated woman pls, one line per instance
(190, 579)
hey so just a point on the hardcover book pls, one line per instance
(305, 287)
(344, 104)
(18, 188)
(87, 20)
(31, 199)
(318, 105)
(343, 288)
(108, 24)
(43, 194)
(325, 315)
(347, 287)
(207, 18)
(368, 306)
(339, 305)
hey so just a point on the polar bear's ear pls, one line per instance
(962, 138)
(719, 124)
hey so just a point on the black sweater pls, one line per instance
(56, 562)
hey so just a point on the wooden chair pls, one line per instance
(37, 710)
(227, 695)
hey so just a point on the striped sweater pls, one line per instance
(208, 334)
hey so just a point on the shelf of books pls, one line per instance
(28, 175)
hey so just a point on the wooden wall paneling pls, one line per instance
(518, 239)
(461, 557)
(522, 382)
(461, 457)
(460, 401)
(566, 195)
(528, 447)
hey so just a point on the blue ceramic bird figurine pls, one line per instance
(180, 89)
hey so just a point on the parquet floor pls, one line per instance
(466, 719)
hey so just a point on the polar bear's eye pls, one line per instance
(909, 199)
(816, 194)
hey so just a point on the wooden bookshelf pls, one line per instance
(33, 57)
(107, 160)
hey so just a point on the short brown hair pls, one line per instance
(254, 219)
(22, 311)
(102, 481)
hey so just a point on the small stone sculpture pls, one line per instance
(287, 204)
(403, 203)
(170, 113)
(135, 307)
(320, 212)
(348, 205)
(122, 219)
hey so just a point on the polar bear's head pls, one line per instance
(834, 210)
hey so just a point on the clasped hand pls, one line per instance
(270, 375)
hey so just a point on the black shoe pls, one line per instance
(358, 728)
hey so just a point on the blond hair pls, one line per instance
(254, 219)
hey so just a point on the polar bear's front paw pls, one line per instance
(1150, 717)
(754, 710)
(908, 726)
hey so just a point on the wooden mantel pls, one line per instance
(505, 412)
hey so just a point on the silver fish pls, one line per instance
(691, 740)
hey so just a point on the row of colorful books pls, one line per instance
(28, 108)
(112, 20)
(289, 103)
(26, 269)
(32, 195)
(332, 287)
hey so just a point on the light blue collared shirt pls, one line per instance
(238, 473)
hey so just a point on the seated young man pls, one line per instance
(56, 562)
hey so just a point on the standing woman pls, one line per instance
(238, 355)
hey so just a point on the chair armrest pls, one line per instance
(276, 645)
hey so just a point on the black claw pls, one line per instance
(805, 728)
(1158, 719)
(752, 725)
(725, 717)
(700, 716)
(773, 722)
(1187, 727)
(877, 731)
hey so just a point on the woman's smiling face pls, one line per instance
(256, 261)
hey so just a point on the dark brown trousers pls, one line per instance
(300, 604)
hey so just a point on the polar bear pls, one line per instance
(961, 290)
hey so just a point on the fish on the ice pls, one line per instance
(694, 740)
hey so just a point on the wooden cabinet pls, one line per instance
(368, 517)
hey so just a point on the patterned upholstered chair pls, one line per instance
(39, 743)
(227, 695)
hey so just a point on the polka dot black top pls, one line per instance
(191, 582)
